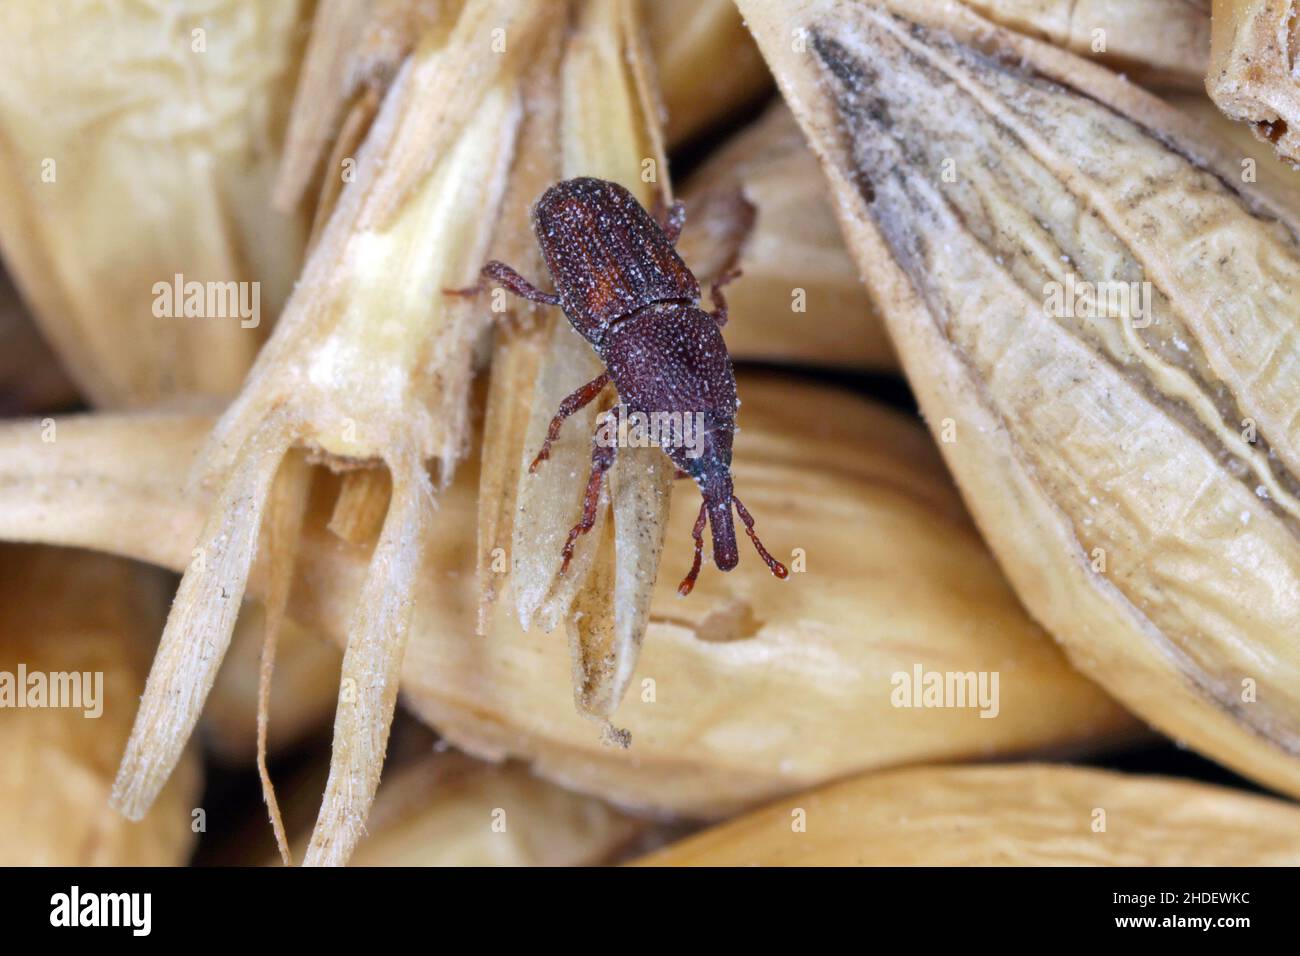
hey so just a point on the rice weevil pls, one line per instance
(624, 288)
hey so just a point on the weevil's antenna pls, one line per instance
(776, 566)
(697, 533)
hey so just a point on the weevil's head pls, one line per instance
(714, 479)
(713, 475)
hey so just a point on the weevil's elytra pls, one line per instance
(607, 256)
(622, 285)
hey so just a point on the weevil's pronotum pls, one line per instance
(620, 281)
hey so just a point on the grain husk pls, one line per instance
(1258, 166)
(688, 40)
(303, 694)
(139, 142)
(760, 205)
(1136, 480)
(73, 614)
(448, 810)
(1162, 43)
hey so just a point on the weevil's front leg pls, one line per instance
(719, 312)
(602, 459)
(511, 280)
(670, 218)
(697, 533)
(517, 284)
(576, 400)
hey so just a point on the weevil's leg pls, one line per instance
(517, 284)
(697, 533)
(511, 280)
(602, 459)
(719, 312)
(673, 221)
(670, 218)
(576, 400)
(776, 566)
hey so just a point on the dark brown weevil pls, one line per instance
(620, 281)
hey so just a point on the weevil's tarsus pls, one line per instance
(576, 400)
(697, 532)
(602, 459)
(719, 312)
(776, 566)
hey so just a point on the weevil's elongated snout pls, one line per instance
(725, 555)
(716, 487)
